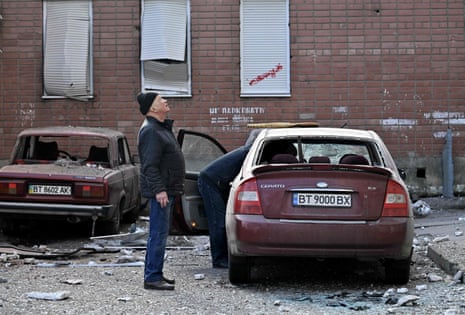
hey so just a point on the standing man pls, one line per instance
(161, 180)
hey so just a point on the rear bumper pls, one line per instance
(54, 209)
(250, 235)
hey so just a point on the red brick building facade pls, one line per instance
(392, 66)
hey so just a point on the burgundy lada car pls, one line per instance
(70, 173)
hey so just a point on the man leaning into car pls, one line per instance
(161, 179)
(214, 184)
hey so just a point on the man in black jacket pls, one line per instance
(161, 180)
(214, 184)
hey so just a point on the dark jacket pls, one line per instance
(224, 169)
(162, 161)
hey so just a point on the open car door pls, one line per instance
(199, 150)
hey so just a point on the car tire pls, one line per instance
(112, 226)
(239, 269)
(397, 271)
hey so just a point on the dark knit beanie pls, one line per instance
(145, 101)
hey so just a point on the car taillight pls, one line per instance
(90, 190)
(396, 203)
(247, 199)
(12, 188)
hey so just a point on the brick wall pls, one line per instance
(391, 66)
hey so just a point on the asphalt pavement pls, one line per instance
(442, 228)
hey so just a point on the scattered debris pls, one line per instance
(9, 257)
(199, 276)
(441, 239)
(389, 292)
(94, 264)
(371, 294)
(73, 281)
(54, 264)
(359, 306)
(29, 261)
(432, 277)
(451, 311)
(402, 290)
(11, 252)
(126, 245)
(407, 299)
(131, 239)
(458, 277)
(421, 208)
(128, 259)
(53, 296)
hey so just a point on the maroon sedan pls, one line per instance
(322, 193)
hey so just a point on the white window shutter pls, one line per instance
(66, 49)
(166, 77)
(165, 47)
(265, 56)
(164, 30)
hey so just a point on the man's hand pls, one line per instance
(162, 198)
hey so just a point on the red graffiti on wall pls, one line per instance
(271, 73)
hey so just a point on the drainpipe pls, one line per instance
(448, 167)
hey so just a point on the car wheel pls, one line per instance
(239, 269)
(111, 226)
(397, 271)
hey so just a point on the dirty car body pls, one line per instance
(70, 173)
(326, 193)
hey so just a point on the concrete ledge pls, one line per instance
(448, 255)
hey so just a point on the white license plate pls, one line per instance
(50, 190)
(321, 200)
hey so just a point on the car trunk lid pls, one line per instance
(322, 192)
(54, 183)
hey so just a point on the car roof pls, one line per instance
(71, 131)
(325, 132)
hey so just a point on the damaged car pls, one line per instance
(71, 174)
(324, 193)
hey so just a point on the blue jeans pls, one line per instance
(159, 226)
(214, 185)
(215, 209)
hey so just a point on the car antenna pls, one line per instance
(344, 125)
